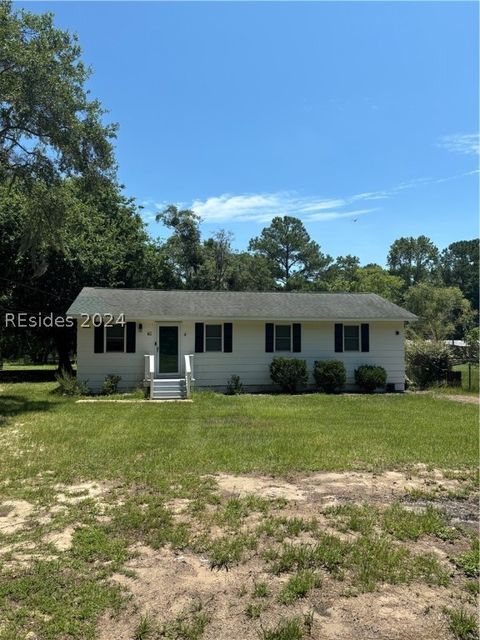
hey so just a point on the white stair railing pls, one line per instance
(189, 379)
(150, 372)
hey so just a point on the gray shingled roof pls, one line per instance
(150, 304)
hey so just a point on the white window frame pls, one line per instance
(213, 324)
(105, 329)
(359, 339)
(282, 324)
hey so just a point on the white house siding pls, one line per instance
(250, 361)
(248, 358)
(93, 367)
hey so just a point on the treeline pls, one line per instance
(65, 223)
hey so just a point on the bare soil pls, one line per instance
(167, 584)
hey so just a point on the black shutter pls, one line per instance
(199, 337)
(297, 337)
(131, 336)
(338, 337)
(98, 340)
(227, 337)
(269, 337)
(365, 334)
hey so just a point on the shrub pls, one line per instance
(235, 386)
(110, 384)
(427, 362)
(68, 385)
(289, 373)
(369, 377)
(330, 376)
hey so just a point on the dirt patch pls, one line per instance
(260, 486)
(460, 398)
(394, 613)
(73, 493)
(14, 515)
(62, 540)
(330, 488)
(168, 584)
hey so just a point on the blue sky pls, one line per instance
(359, 118)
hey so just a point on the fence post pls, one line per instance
(469, 376)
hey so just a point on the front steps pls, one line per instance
(169, 389)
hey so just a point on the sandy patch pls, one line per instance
(62, 540)
(260, 486)
(73, 493)
(330, 488)
(460, 398)
(394, 613)
(14, 515)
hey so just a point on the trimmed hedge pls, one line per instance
(370, 377)
(289, 373)
(330, 375)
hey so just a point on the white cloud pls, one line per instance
(465, 143)
(262, 207)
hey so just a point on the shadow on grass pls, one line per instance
(27, 375)
(14, 405)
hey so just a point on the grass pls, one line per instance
(474, 377)
(269, 434)
(463, 624)
(369, 560)
(469, 561)
(148, 454)
(298, 586)
(396, 520)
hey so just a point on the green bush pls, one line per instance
(427, 362)
(68, 385)
(369, 377)
(235, 386)
(288, 373)
(330, 375)
(110, 384)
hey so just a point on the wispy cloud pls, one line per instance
(262, 207)
(464, 143)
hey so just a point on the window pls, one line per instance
(351, 337)
(213, 337)
(115, 338)
(283, 333)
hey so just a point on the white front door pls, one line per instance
(168, 349)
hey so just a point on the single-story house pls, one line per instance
(172, 340)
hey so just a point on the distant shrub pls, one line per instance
(68, 385)
(110, 384)
(330, 375)
(235, 386)
(288, 373)
(369, 377)
(427, 362)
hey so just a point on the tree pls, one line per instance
(50, 128)
(250, 273)
(460, 264)
(340, 275)
(373, 279)
(414, 260)
(443, 311)
(294, 258)
(217, 261)
(103, 243)
(183, 248)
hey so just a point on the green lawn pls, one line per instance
(271, 434)
(151, 454)
(472, 384)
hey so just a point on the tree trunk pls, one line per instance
(63, 343)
